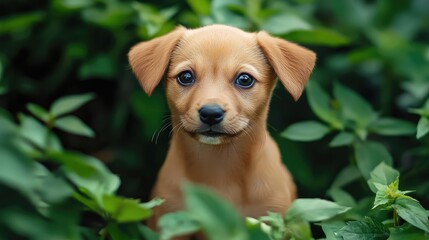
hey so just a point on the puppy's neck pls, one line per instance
(200, 158)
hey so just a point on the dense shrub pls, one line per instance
(80, 144)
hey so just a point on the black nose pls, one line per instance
(211, 114)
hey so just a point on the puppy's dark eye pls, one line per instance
(245, 81)
(186, 78)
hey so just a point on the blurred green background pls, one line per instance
(380, 49)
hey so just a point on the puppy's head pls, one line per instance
(219, 79)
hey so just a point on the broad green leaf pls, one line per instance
(299, 229)
(408, 232)
(219, 220)
(392, 127)
(89, 174)
(346, 176)
(331, 228)
(38, 111)
(200, 6)
(100, 66)
(277, 225)
(369, 155)
(353, 106)
(305, 131)
(177, 224)
(37, 134)
(20, 22)
(276, 24)
(72, 124)
(69, 103)
(318, 37)
(341, 197)
(382, 174)
(314, 210)
(367, 229)
(412, 212)
(422, 127)
(381, 197)
(257, 230)
(342, 139)
(124, 209)
(320, 104)
(147, 233)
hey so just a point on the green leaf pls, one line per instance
(89, 174)
(367, 229)
(177, 224)
(20, 22)
(331, 228)
(320, 104)
(305, 131)
(147, 233)
(369, 155)
(323, 37)
(412, 212)
(38, 134)
(200, 6)
(276, 24)
(342, 139)
(342, 197)
(257, 230)
(382, 174)
(124, 209)
(72, 124)
(392, 127)
(298, 229)
(277, 225)
(314, 210)
(346, 176)
(353, 106)
(38, 111)
(219, 220)
(69, 103)
(408, 232)
(422, 127)
(381, 197)
(153, 203)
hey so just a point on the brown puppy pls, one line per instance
(219, 82)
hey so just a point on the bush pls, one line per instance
(69, 107)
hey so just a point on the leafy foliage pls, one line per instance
(74, 166)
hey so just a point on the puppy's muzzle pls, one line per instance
(211, 114)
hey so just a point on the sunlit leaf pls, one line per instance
(72, 124)
(218, 218)
(382, 174)
(368, 229)
(342, 139)
(38, 111)
(320, 103)
(177, 224)
(412, 212)
(70, 103)
(392, 127)
(276, 24)
(314, 210)
(318, 37)
(369, 155)
(422, 127)
(353, 106)
(20, 22)
(200, 6)
(305, 131)
(124, 209)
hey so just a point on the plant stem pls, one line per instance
(395, 218)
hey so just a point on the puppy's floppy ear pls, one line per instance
(292, 63)
(149, 60)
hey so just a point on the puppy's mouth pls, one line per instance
(212, 137)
